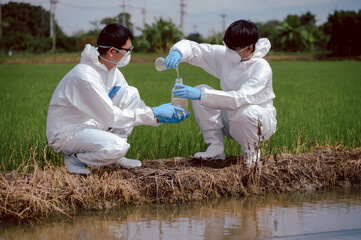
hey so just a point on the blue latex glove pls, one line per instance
(169, 111)
(173, 119)
(184, 91)
(173, 59)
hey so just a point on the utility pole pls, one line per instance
(182, 12)
(195, 26)
(42, 23)
(223, 22)
(144, 12)
(1, 26)
(52, 22)
(123, 20)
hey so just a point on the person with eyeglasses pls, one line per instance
(243, 110)
(93, 109)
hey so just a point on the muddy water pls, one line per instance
(319, 215)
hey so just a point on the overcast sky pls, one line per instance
(203, 16)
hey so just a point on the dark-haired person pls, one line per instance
(93, 109)
(246, 97)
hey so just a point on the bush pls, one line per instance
(344, 28)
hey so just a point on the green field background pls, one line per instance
(317, 102)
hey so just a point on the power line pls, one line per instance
(97, 8)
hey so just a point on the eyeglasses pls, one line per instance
(237, 50)
(241, 50)
(125, 49)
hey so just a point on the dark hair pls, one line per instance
(240, 34)
(114, 35)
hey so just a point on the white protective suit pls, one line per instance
(247, 94)
(83, 119)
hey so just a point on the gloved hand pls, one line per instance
(173, 59)
(173, 119)
(184, 91)
(169, 111)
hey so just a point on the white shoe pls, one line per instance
(213, 152)
(74, 165)
(128, 163)
(252, 157)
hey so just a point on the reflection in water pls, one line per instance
(320, 215)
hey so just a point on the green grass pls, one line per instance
(316, 102)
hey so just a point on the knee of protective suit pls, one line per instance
(114, 151)
(250, 124)
(104, 151)
(248, 114)
(263, 119)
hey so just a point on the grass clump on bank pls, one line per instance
(25, 197)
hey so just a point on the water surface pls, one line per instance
(318, 215)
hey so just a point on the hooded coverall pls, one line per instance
(246, 98)
(92, 112)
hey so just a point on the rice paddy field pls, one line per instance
(318, 103)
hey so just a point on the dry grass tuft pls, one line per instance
(26, 197)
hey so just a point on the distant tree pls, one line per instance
(158, 37)
(269, 30)
(26, 28)
(196, 37)
(215, 38)
(317, 38)
(89, 37)
(290, 38)
(293, 21)
(142, 45)
(298, 33)
(344, 28)
(308, 20)
(323, 37)
(119, 19)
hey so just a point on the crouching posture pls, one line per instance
(93, 109)
(246, 100)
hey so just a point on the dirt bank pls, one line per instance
(30, 196)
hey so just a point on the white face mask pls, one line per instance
(124, 61)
